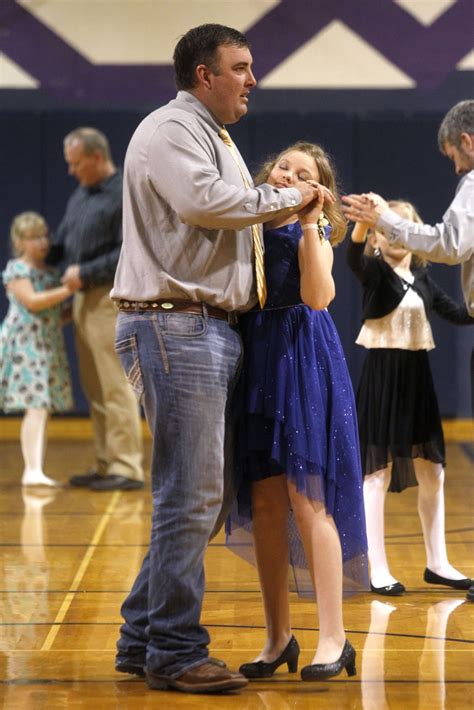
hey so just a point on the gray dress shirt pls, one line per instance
(187, 214)
(450, 242)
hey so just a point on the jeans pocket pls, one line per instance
(184, 325)
(127, 351)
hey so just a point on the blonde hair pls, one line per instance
(327, 177)
(412, 215)
(21, 224)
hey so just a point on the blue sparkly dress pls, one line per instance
(296, 415)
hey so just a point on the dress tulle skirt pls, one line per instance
(398, 414)
(297, 417)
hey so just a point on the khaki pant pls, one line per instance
(113, 407)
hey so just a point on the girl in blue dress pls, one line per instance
(34, 372)
(297, 444)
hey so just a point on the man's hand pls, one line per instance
(72, 278)
(308, 194)
(365, 208)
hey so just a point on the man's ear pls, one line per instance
(467, 142)
(203, 73)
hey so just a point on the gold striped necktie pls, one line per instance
(257, 242)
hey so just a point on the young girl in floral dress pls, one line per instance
(34, 372)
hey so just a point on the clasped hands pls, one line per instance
(365, 208)
(314, 195)
(72, 278)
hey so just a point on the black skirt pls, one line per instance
(398, 414)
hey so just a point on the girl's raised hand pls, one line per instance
(313, 210)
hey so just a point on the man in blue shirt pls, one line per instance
(89, 240)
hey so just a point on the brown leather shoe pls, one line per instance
(206, 678)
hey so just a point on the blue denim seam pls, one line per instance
(161, 343)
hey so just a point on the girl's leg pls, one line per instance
(375, 489)
(32, 436)
(270, 508)
(430, 477)
(323, 554)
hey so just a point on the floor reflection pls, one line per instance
(24, 579)
(431, 664)
(432, 696)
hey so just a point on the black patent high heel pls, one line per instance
(321, 671)
(264, 669)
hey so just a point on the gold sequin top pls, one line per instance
(406, 327)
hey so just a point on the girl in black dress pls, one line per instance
(401, 438)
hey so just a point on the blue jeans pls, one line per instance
(183, 368)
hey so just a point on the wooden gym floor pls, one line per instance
(69, 556)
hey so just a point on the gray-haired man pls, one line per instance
(88, 240)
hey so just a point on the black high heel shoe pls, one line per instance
(264, 669)
(321, 671)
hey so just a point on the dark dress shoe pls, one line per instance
(470, 594)
(206, 678)
(391, 590)
(134, 668)
(433, 578)
(137, 667)
(265, 669)
(84, 480)
(115, 482)
(321, 671)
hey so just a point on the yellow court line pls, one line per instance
(64, 608)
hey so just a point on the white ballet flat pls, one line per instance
(38, 478)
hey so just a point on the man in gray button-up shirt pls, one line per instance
(186, 261)
(187, 213)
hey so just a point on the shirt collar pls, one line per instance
(196, 106)
(102, 185)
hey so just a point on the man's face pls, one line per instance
(228, 90)
(87, 169)
(462, 157)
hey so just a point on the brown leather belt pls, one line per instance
(168, 305)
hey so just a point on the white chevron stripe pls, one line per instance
(467, 63)
(138, 31)
(14, 77)
(336, 58)
(425, 11)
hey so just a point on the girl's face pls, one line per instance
(293, 168)
(34, 244)
(392, 251)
